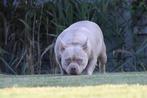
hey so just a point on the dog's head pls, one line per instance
(74, 58)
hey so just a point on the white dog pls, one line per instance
(78, 48)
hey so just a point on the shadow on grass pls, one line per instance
(7, 81)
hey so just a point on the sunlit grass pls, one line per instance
(101, 91)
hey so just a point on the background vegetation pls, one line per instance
(28, 30)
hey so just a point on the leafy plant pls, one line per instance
(28, 30)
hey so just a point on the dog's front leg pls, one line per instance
(91, 66)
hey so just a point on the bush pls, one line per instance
(29, 29)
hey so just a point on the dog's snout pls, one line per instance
(73, 71)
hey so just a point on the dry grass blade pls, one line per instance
(7, 65)
(47, 49)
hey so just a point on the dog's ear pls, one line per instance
(63, 45)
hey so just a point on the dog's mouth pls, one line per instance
(70, 73)
(73, 73)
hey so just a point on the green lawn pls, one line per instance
(109, 85)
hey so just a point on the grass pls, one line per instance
(103, 91)
(109, 85)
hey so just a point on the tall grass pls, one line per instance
(28, 30)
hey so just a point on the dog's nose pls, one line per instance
(73, 71)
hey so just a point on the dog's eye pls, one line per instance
(79, 61)
(68, 61)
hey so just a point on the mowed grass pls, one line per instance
(101, 91)
(109, 85)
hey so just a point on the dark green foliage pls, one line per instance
(28, 29)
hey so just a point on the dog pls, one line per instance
(79, 47)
